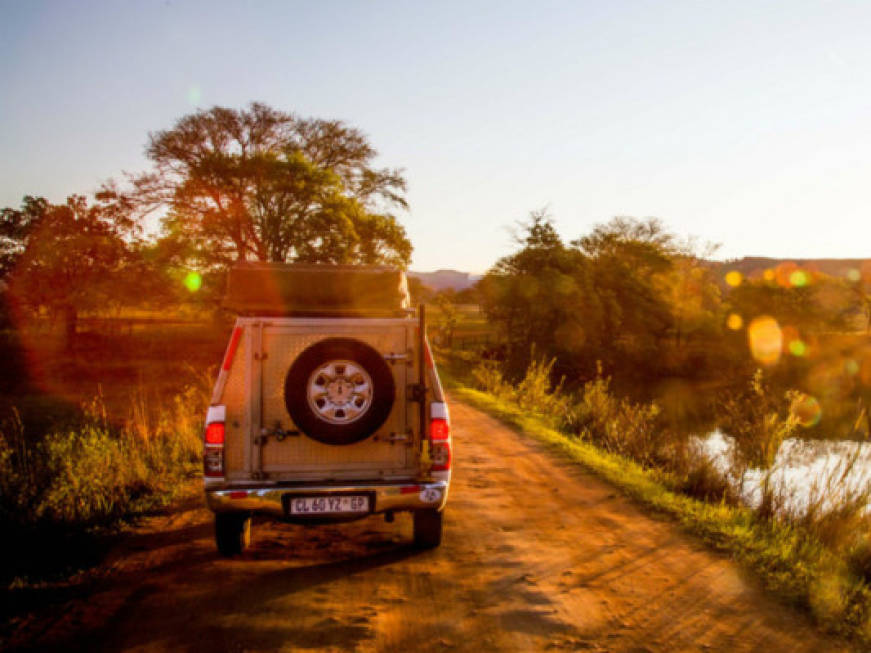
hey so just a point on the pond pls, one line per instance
(818, 474)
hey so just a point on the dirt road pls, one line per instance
(538, 555)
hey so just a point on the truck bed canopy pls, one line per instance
(280, 289)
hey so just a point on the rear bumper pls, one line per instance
(271, 500)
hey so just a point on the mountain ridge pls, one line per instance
(749, 266)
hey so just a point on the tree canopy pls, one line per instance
(261, 184)
(617, 293)
(62, 257)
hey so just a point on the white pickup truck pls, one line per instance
(327, 406)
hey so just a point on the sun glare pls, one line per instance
(193, 281)
(734, 278)
(808, 411)
(194, 95)
(798, 279)
(735, 322)
(766, 340)
(798, 348)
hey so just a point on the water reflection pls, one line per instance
(820, 473)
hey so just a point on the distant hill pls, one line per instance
(753, 267)
(834, 267)
(443, 279)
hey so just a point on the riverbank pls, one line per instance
(793, 562)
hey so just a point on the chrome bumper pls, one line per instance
(271, 500)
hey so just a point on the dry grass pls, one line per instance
(101, 435)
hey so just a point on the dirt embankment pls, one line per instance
(537, 555)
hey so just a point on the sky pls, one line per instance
(744, 124)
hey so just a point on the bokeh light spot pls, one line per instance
(854, 275)
(783, 273)
(734, 278)
(797, 348)
(798, 279)
(769, 275)
(765, 339)
(193, 281)
(734, 321)
(808, 411)
(851, 367)
(194, 95)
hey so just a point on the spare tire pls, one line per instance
(339, 391)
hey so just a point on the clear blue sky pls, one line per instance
(743, 123)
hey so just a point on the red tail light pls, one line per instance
(213, 440)
(215, 433)
(440, 434)
(439, 429)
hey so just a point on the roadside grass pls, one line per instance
(61, 492)
(804, 563)
(78, 464)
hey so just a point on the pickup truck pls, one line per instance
(327, 406)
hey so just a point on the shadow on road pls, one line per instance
(172, 590)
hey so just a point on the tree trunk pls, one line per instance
(70, 322)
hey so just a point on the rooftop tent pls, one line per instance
(316, 290)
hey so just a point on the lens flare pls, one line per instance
(194, 95)
(783, 273)
(734, 278)
(734, 322)
(851, 367)
(765, 339)
(798, 348)
(808, 411)
(193, 281)
(854, 275)
(798, 279)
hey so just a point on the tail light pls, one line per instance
(213, 450)
(215, 433)
(440, 436)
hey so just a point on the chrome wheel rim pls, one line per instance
(339, 392)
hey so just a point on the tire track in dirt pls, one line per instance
(538, 555)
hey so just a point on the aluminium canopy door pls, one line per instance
(333, 398)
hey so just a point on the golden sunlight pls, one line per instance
(765, 339)
(734, 278)
(735, 322)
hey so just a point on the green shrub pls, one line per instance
(702, 480)
(759, 420)
(535, 392)
(621, 426)
(93, 473)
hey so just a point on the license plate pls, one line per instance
(328, 505)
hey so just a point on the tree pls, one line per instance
(819, 305)
(64, 258)
(449, 318)
(266, 185)
(860, 301)
(617, 295)
(420, 293)
(694, 298)
(629, 261)
(16, 225)
(541, 298)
